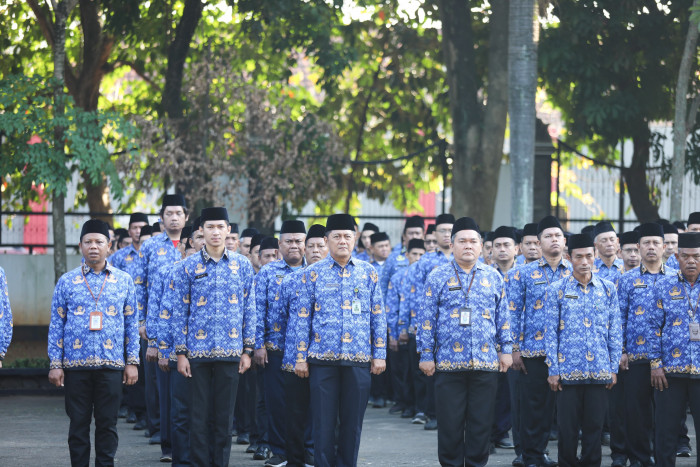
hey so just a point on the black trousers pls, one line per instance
(180, 417)
(339, 395)
(274, 402)
(501, 417)
(417, 377)
(298, 429)
(638, 409)
(536, 410)
(465, 406)
(213, 385)
(400, 382)
(260, 434)
(514, 390)
(136, 395)
(581, 406)
(618, 450)
(88, 391)
(670, 408)
(150, 370)
(245, 404)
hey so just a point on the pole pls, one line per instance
(621, 202)
(445, 169)
(556, 208)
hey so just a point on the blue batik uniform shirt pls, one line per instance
(127, 260)
(71, 343)
(526, 290)
(213, 310)
(392, 301)
(5, 316)
(637, 302)
(583, 336)
(291, 289)
(676, 307)
(458, 348)
(160, 312)
(328, 331)
(270, 315)
(153, 254)
(672, 262)
(409, 300)
(611, 273)
(396, 260)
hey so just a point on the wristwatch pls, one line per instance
(248, 352)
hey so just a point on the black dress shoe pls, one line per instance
(155, 439)
(505, 443)
(263, 453)
(619, 463)
(683, 451)
(396, 409)
(379, 403)
(243, 438)
(548, 461)
(518, 461)
(123, 412)
(431, 424)
(408, 413)
(166, 458)
(251, 448)
(131, 418)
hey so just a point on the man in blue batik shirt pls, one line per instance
(93, 345)
(156, 252)
(465, 340)
(213, 324)
(675, 349)
(298, 430)
(583, 341)
(341, 338)
(607, 265)
(527, 286)
(5, 317)
(364, 247)
(414, 228)
(671, 244)
(271, 331)
(381, 249)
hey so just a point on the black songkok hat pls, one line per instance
(589, 230)
(157, 227)
(213, 214)
(579, 241)
(689, 240)
(120, 232)
(146, 230)
(416, 243)
(234, 228)
(138, 217)
(651, 229)
(505, 232)
(465, 223)
(370, 227)
(378, 237)
(431, 229)
(249, 232)
(445, 219)
(530, 229)
(629, 237)
(340, 222)
(694, 218)
(186, 232)
(488, 236)
(602, 227)
(269, 243)
(174, 200)
(316, 231)
(548, 222)
(293, 226)
(669, 228)
(414, 221)
(256, 240)
(94, 226)
(679, 225)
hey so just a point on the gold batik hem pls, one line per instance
(533, 353)
(470, 365)
(359, 357)
(214, 353)
(579, 375)
(91, 362)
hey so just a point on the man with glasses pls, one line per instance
(430, 240)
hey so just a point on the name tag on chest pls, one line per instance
(694, 332)
(332, 285)
(356, 307)
(96, 321)
(465, 317)
(199, 276)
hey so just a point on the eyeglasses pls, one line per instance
(430, 242)
(443, 231)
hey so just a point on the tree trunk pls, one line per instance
(478, 131)
(57, 205)
(636, 178)
(680, 130)
(522, 85)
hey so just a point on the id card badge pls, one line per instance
(356, 306)
(695, 332)
(96, 321)
(465, 317)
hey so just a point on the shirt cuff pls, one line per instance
(656, 363)
(427, 356)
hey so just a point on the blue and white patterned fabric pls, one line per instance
(213, 308)
(583, 336)
(5, 316)
(672, 262)
(291, 289)
(361, 255)
(635, 292)
(392, 302)
(271, 318)
(126, 259)
(396, 260)
(457, 348)
(520, 260)
(611, 273)
(526, 289)
(71, 343)
(153, 254)
(409, 300)
(328, 331)
(671, 348)
(160, 312)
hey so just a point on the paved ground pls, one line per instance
(34, 432)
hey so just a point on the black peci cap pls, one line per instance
(269, 243)
(316, 231)
(416, 243)
(689, 240)
(577, 241)
(379, 237)
(293, 226)
(340, 222)
(629, 237)
(213, 214)
(138, 217)
(94, 226)
(548, 222)
(465, 223)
